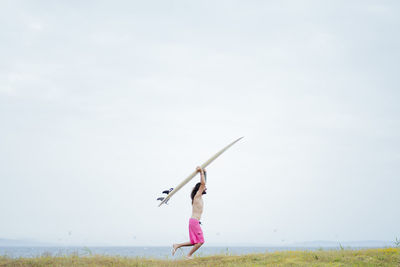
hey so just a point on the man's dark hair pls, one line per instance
(194, 191)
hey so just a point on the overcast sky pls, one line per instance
(104, 104)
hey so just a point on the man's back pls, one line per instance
(197, 207)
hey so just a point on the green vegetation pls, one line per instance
(397, 242)
(342, 257)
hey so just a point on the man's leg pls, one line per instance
(194, 248)
(185, 244)
(176, 246)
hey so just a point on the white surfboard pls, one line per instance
(190, 177)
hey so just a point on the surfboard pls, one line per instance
(190, 177)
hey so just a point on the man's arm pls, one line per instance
(202, 182)
(202, 176)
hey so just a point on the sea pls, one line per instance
(140, 252)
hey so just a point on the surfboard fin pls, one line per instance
(162, 198)
(167, 191)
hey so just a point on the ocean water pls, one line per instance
(146, 252)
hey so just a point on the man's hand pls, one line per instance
(202, 175)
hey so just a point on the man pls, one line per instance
(195, 232)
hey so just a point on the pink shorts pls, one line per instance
(195, 232)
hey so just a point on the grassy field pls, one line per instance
(365, 257)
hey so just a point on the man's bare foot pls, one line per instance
(189, 257)
(174, 247)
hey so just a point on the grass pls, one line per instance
(343, 257)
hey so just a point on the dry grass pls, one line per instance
(365, 257)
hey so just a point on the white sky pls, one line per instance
(104, 104)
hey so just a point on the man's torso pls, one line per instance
(197, 208)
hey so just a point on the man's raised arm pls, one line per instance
(202, 176)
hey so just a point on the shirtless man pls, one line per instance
(195, 232)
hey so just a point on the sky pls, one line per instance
(105, 104)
